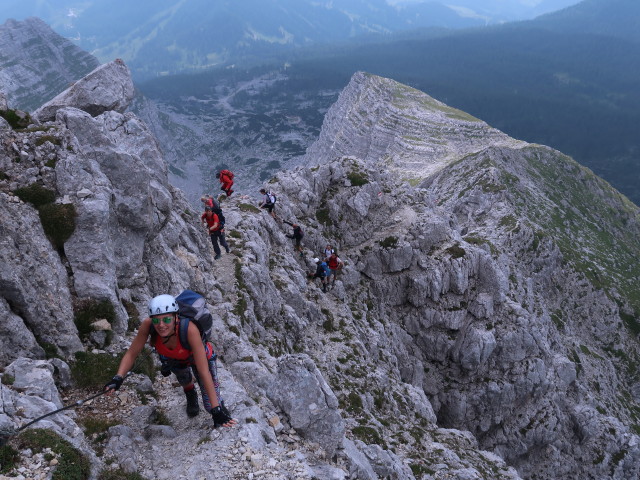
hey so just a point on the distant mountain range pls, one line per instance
(164, 36)
(573, 91)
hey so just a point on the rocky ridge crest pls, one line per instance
(31, 51)
(456, 310)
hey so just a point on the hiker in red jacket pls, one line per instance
(335, 265)
(216, 231)
(226, 179)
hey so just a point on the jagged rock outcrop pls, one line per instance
(484, 314)
(32, 51)
(108, 88)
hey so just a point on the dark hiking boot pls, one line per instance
(227, 249)
(192, 402)
(217, 257)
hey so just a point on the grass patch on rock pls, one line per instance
(72, 464)
(35, 194)
(247, 207)
(93, 369)
(88, 311)
(58, 221)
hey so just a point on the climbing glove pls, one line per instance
(220, 416)
(115, 383)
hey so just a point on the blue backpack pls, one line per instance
(192, 307)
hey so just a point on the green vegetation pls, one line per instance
(93, 369)
(3, 176)
(247, 207)
(14, 119)
(357, 178)
(323, 216)
(58, 222)
(48, 138)
(133, 321)
(9, 457)
(119, 474)
(95, 425)
(368, 435)
(456, 251)
(8, 379)
(389, 242)
(88, 311)
(36, 195)
(72, 464)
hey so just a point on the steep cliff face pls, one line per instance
(484, 312)
(36, 63)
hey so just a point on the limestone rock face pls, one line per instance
(301, 391)
(31, 52)
(107, 88)
(33, 285)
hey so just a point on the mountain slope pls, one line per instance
(36, 63)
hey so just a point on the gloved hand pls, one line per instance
(220, 416)
(115, 383)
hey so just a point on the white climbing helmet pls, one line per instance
(162, 304)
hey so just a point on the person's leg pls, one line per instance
(183, 374)
(223, 242)
(216, 248)
(213, 370)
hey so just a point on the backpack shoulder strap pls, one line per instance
(183, 328)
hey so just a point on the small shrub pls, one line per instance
(36, 195)
(9, 458)
(132, 312)
(367, 435)
(51, 163)
(119, 474)
(250, 420)
(50, 350)
(88, 311)
(389, 242)
(357, 179)
(48, 138)
(162, 419)
(4, 176)
(328, 326)
(96, 425)
(93, 369)
(323, 216)
(15, 120)
(247, 207)
(456, 251)
(8, 379)
(58, 221)
(72, 464)
(354, 402)
(235, 234)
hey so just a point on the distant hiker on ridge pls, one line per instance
(215, 227)
(297, 235)
(183, 351)
(335, 264)
(226, 179)
(269, 202)
(322, 272)
(207, 200)
(328, 250)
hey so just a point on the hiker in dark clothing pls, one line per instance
(297, 235)
(161, 329)
(226, 179)
(322, 272)
(216, 231)
(268, 202)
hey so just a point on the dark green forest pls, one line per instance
(578, 93)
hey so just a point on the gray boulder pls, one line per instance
(35, 287)
(35, 378)
(302, 393)
(108, 87)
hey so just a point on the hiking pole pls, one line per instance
(9, 432)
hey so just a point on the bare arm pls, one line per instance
(202, 364)
(136, 347)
